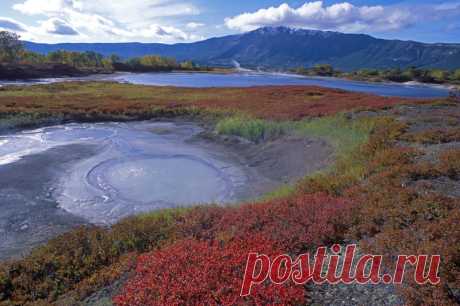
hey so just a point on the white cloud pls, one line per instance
(120, 10)
(136, 12)
(194, 25)
(344, 17)
(58, 26)
(37, 7)
(105, 20)
(12, 25)
(167, 34)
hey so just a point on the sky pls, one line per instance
(173, 21)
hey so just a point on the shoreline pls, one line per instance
(447, 86)
(25, 73)
(235, 79)
(224, 71)
(22, 73)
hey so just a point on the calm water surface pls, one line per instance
(262, 79)
(248, 79)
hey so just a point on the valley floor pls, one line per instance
(393, 188)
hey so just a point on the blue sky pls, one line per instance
(171, 21)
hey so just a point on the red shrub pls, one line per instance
(450, 163)
(434, 136)
(190, 272)
(441, 238)
(199, 221)
(294, 224)
(209, 269)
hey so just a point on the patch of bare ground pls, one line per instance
(432, 130)
(353, 294)
(273, 163)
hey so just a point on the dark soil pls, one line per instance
(28, 215)
(274, 163)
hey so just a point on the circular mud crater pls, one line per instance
(170, 179)
(55, 178)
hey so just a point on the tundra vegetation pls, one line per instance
(383, 192)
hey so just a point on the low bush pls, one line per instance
(398, 219)
(357, 142)
(20, 120)
(434, 237)
(191, 272)
(77, 259)
(112, 99)
(209, 268)
(111, 276)
(449, 163)
(294, 224)
(434, 136)
(67, 261)
(196, 255)
(388, 216)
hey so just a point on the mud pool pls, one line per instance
(57, 178)
(137, 167)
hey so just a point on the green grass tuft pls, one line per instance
(252, 129)
(283, 191)
(346, 135)
(24, 120)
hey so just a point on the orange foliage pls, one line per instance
(190, 272)
(99, 101)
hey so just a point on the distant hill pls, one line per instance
(282, 47)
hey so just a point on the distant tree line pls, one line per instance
(422, 75)
(153, 63)
(13, 52)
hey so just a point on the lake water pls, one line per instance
(248, 79)
(138, 167)
(261, 79)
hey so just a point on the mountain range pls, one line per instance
(282, 48)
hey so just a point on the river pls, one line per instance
(248, 78)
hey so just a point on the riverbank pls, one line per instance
(28, 72)
(455, 86)
(22, 72)
(433, 76)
